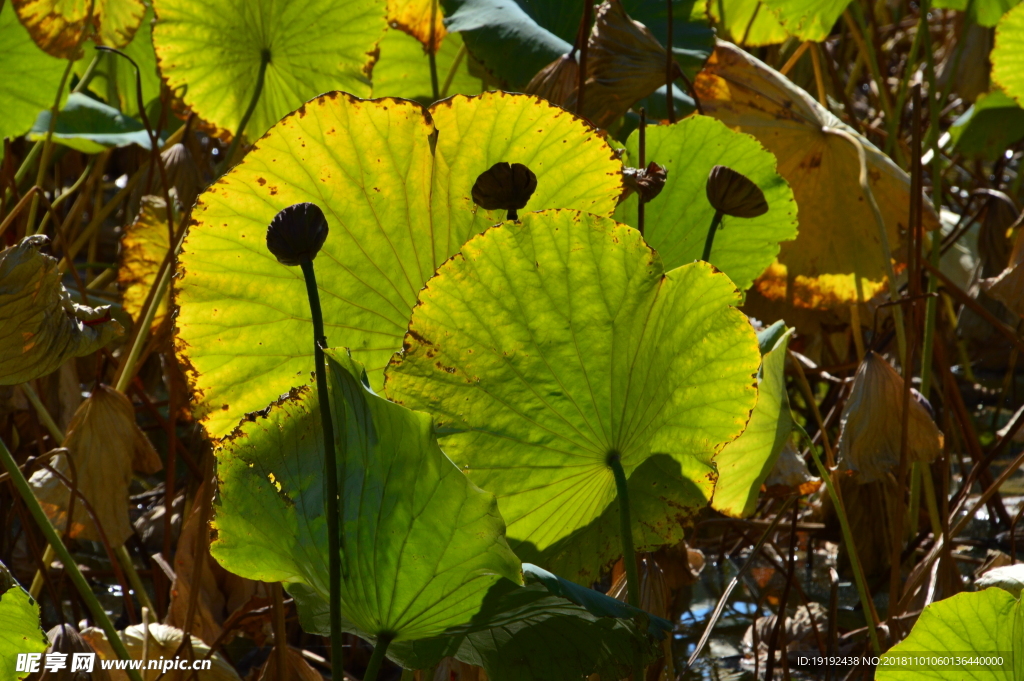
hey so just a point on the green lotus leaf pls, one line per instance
(747, 22)
(745, 463)
(91, 126)
(992, 124)
(403, 69)
(31, 77)
(546, 630)
(536, 32)
(394, 180)
(546, 346)
(19, 625)
(676, 222)
(40, 327)
(984, 12)
(210, 53)
(987, 623)
(1007, 56)
(410, 519)
(808, 19)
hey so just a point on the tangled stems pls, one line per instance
(330, 464)
(715, 223)
(628, 552)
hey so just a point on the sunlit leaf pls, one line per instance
(40, 327)
(839, 238)
(1010, 578)
(60, 26)
(414, 18)
(546, 347)
(807, 19)
(989, 127)
(143, 248)
(91, 126)
(988, 623)
(1008, 54)
(984, 12)
(31, 77)
(410, 519)
(744, 464)
(403, 69)
(676, 222)
(209, 54)
(397, 205)
(747, 22)
(19, 625)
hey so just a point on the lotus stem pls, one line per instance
(377, 659)
(431, 55)
(331, 469)
(716, 222)
(70, 566)
(47, 149)
(237, 139)
(628, 552)
(456, 63)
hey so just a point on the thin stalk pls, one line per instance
(642, 130)
(237, 139)
(377, 658)
(280, 632)
(134, 579)
(780, 618)
(55, 432)
(669, 63)
(90, 71)
(858, 572)
(709, 242)
(588, 9)
(456, 63)
(47, 147)
(331, 474)
(431, 52)
(99, 615)
(862, 36)
(128, 368)
(628, 552)
(819, 76)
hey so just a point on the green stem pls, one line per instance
(47, 148)
(844, 523)
(237, 139)
(628, 552)
(715, 223)
(70, 566)
(377, 658)
(459, 56)
(128, 370)
(134, 579)
(431, 56)
(331, 471)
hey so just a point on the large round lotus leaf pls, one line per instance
(210, 51)
(547, 346)
(58, 26)
(747, 22)
(409, 519)
(839, 238)
(982, 624)
(983, 12)
(394, 180)
(1008, 54)
(676, 222)
(403, 69)
(807, 19)
(30, 76)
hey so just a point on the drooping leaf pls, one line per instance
(105, 445)
(164, 642)
(546, 347)
(987, 623)
(415, 17)
(1010, 578)
(143, 247)
(31, 77)
(403, 69)
(744, 464)
(839, 238)
(747, 22)
(808, 19)
(210, 53)
(397, 205)
(60, 26)
(677, 221)
(1007, 56)
(548, 630)
(410, 519)
(91, 126)
(984, 12)
(989, 127)
(40, 327)
(19, 625)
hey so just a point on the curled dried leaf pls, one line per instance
(1008, 286)
(297, 234)
(298, 668)
(164, 642)
(40, 326)
(790, 474)
(504, 186)
(105, 445)
(647, 182)
(65, 639)
(732, 193)
(556, 82)
(869, 442)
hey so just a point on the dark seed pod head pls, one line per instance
(734, 194)
(297, 233)
(504, 187)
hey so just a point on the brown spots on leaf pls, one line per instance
(261, 180)
(446, 369)
(812, 161)
(273, 191)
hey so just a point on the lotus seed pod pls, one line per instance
(297, 234)
(504, 187)
(734, 194)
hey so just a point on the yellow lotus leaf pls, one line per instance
(143, 248)
(839, 238)
(57, 26)
(1008, 286)
(413, 17)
